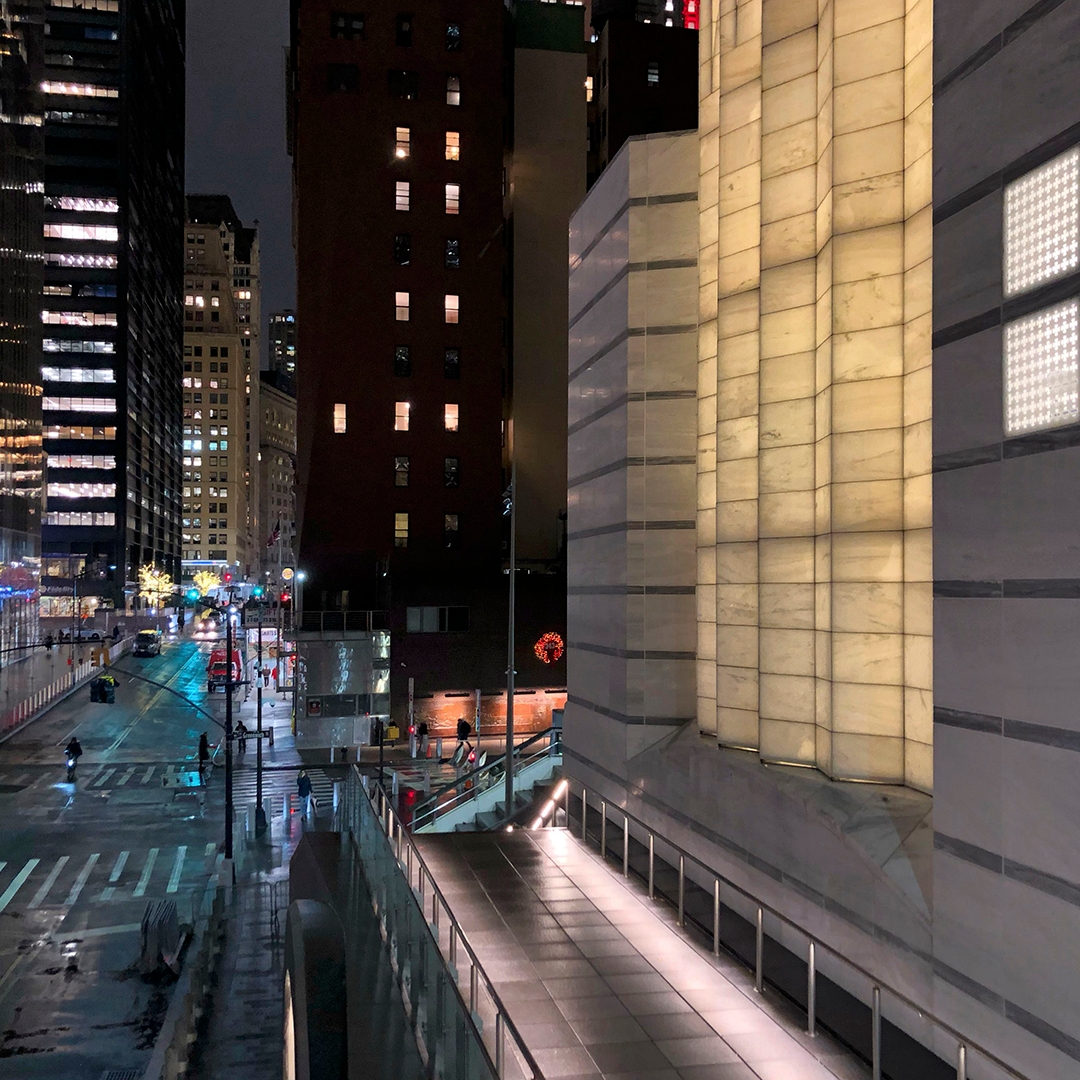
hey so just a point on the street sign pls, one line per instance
(287, 573)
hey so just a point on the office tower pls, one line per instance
(113, 89)
(221, 287)
(21, 245)
(283, 349)
(430, 315)
(881, 497)
(277, 474)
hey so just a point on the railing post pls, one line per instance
(716, 917)
(961, 1062)
(603, 829)
(875, 1034)
(499, 1031)
(682, 886)
(453, 943)
(584, 811)
(625, 846)
(759, 950)
(472, 985)
(811, 991)
(652, 863)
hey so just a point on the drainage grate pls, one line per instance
(121, 1074)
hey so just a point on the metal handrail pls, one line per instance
(467, 786)
(391, 825)
(964, 1044)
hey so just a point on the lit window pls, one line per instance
(200, 301)
(401, 306)
(453, 146)
(1042, 224)
(450, 530)
(401, 416)
(65, 404)
(78, 375)
(451, 306)
(402, 144)
(451, 472)
(401, 472)
(79, 318)
(339, 419)
(79, 90)
(453, 90)
(215, 301)
(453, 198)
(588, 88)
(68, 231)
(1042, 361)
(653, 76)
(81, 491)
(453, 37)
(401, 530)
(450, 417)
(401, 195)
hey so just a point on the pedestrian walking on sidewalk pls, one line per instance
(303, 789)
(204, 752)
(241, 735)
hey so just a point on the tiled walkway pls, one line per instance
(599, 981)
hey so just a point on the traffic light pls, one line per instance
(192, 595)
(227, 577)
(257, 592)
(286, 598)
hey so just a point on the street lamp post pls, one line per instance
(510, 646)
(260, 812)
(228, 736)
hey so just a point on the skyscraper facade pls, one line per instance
(21, 253)
(464, 128)
(282, 349)
(219, 341)
(113, 99)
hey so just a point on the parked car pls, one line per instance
(89, 633)
(217, 671)
(147, 643)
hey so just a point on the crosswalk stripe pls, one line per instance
(114, 877)
(149, 773)
(48, 883)
(21, 779)
(2, 865)
(178, 867)
(126, 777)
(210, 849)
(80, 881)
(148, 868)
(103, 778)
(17, 884)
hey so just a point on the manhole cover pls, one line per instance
(121, 1074)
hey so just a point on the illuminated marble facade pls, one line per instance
(814, 459)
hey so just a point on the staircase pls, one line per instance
(476, 800)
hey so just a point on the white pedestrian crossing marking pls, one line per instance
(177, 870)
(114, 877)
(2, 865)
(17, 884)
(103, 778)
(22, 779)
(126, 777)
(148, 774)
(147, 870)
(48, 883)
(80, 881)
(210, 849)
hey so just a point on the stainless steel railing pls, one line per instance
(485, 1009)
(965, 1047)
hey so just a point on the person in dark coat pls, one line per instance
(204, 751)
(303, 789)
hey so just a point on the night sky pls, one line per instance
(236, 125)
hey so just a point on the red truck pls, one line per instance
(217, 673)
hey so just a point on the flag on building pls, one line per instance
(275, 536)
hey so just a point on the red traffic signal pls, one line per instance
(227, 577)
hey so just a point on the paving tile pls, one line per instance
(563, 951)
(654, 1004)
(786, 1069)
(648, 1074)
(740, 1021)
(589, 986)
(566, 1061)
(564, 969)
(622, 965)
(627, 1057)
(608, 947)
(736, 1071)
(594, 933)
(686, 1025)
(767, 1046)
(613, 1029)
(706, 1050)
(521, 990)
(545, 1036)
(591, 1008)
(638, 984)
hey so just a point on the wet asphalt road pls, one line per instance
(78, 865)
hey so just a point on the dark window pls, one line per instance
(453, 254)
(224, 352)
(450, 530)
(402, 248)
(402, 364)
(401, 472)
(653, 75)
(345, 25)
(453, 36)
(403, 30)
(342, 78)
(451, 472)
(403, 84)
(452, 363)
(213, 352)
(453, 619)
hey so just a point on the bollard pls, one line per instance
(412, 744)
(286, 807)
(438, 749)
(337, 794)
(268, 808)
(393, 783)
(427, 780)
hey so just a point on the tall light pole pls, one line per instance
(298, 616)
(228, 736)
(510, 645)
(260, 812)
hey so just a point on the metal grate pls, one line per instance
(121, 1074)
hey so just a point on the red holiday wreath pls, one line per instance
(549, 648)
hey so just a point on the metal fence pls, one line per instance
(461, 1025)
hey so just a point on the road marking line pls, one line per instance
(103, 778)
(147, 870)
(48, 883)
(211, 848)
(149, 773)
(8, 981)
(80, 881)
(104, 931)
(126, 777)
(3, 864)
(21, 779)
(17, 884)
(178, 867)
(117, 870)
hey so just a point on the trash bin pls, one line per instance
(95, 690)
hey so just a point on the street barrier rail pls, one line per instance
(461, 1025)
(966, 1050)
